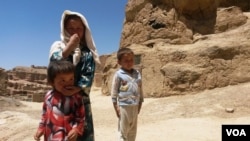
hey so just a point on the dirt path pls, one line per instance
(192, 117)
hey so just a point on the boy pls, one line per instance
(127, 96)
(63, 114)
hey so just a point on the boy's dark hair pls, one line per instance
(123, 51)
(56, 67)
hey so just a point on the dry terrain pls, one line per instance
(197, 117)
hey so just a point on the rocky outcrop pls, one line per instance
(3, 81)
(178, 21)
(28, 83)
(184, 48)
(243, 4)
(98, 71)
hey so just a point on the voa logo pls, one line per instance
(236, 132)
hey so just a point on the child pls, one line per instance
(63, 114)
(78, 47)
(127, 96)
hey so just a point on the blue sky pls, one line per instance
(29, 27)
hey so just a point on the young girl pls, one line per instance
(77, 46)
(63, 115)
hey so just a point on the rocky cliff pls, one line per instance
(183, 47)
(3, 81)
(27, 83)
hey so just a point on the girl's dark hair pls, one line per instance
(56, 67)
(75, 17)
(70, 17)
(123, 51)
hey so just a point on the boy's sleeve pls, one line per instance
(115, 88)
(44, 117)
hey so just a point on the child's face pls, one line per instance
(75, 26)
(127, 61)
(62, 81)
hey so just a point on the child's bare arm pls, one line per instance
(71, 45)
(117, 109)
(139, 107)
(38, 134)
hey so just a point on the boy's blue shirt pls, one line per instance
(126, 88)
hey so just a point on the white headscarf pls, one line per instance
(88, 37)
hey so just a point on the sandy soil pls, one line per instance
(196, 117)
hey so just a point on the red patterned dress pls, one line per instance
(61, 114)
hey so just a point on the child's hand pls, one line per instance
(38, 134)
(117, 112)
(139, 107)
(72, 136)
(74, 41)
(117, 109)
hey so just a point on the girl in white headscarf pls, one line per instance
(78, 47)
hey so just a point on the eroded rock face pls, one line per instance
(185, 48)
(3, 81)
(229, 18)
(28, 83)
(244, 5)
(98, 71)
(177, 21)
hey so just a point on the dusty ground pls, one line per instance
(191, 117)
